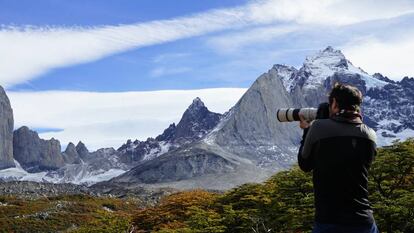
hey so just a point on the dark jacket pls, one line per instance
(339, 151)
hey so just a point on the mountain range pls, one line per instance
(211, 150)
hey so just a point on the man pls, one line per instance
(339, 151)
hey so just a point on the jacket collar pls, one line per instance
(348, 117)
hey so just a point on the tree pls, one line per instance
(392, 187)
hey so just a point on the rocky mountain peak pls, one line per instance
(196, 104)
(70, 147)
(382, 78)
(406, 81)
(330, 64)
(328, 56)
(286, 74)
(196, 121)
(82, 150)
(35, 154)
(6, 131)
(325, 62)
(168, 134)
(70, 155)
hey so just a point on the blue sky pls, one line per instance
(73, 48)
(202, 60)
(101, 12)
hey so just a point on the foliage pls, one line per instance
(284, 203)
(392, 187)
(173, 212)
(75, 213)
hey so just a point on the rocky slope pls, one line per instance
(41, 160)
(248, 143)
(195, 122)
(6, 131)
(35, 154)
(214, 151)
(388, 105)
(71, 155)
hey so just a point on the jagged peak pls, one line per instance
(23, 128)
(283, 67)
(81, 146)
(381, 77)
(195, 108)
(80, 143)
(328, 57)
(285, 73)
(70, 147)
(330, 49)
(407, 81)
(197, 103)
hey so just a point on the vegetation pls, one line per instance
(284, 203)
(77, 213)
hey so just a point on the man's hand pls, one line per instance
(304, 124)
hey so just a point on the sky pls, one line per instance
(105, 71)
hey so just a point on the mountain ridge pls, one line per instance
(245, 144)
(249, 137)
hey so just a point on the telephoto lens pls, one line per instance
(292, 114)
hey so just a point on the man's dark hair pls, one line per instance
(347, 97)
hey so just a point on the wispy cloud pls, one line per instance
(108, 119)
(163, 71)
(167, 57)
(29, 52)
(234, 41)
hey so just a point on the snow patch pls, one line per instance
(391, 136)
(328, 62)
(83, 177)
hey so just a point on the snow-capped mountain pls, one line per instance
(196, 122)
(388, 105)
(248, 144)
(42, 160)
(214, 151)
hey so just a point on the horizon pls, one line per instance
(109, 63)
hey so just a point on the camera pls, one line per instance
(309, 114)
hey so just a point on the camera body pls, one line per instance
(309, 114)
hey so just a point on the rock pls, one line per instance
(6, 131)
(249, 144)
(195, 123)
(168, 134)
(82, 151)
(252, 129)
(70, 155)
(35, 154)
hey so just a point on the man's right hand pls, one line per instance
(303, 124)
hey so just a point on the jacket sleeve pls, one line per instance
(372, 152)
(306, 154)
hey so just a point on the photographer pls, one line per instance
(339, 150)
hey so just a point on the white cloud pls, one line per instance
(109, 119)
(234, 41)
(30, 52)
(162, 71)
(167, 57)
(392, 58)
